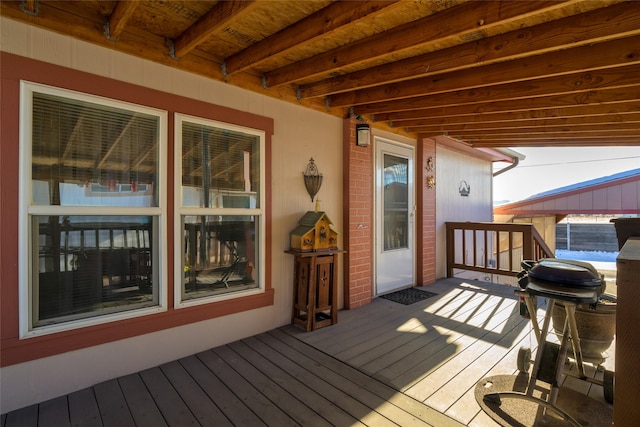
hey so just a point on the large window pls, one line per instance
(92, 209)
(219, 186)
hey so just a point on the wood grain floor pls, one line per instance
(382, 364)
(437, 350)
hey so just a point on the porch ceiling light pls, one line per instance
(312, 179)
(363, 135)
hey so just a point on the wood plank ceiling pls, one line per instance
(489, 73)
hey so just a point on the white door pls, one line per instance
(395, 216)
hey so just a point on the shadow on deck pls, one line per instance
(382, 364)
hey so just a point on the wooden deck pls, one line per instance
(382, 364)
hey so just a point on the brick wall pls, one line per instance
(359, 223)
(426, 214)
(358, 219)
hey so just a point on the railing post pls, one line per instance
(450, 248)
(528, 243)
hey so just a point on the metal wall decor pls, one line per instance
(312, 179)
(431, 181)
(464, 188)
(431, 164)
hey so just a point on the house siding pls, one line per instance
(453, 167)
(38, 369)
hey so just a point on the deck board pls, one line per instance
(83, 409)
(54, 412)
(218, 392)
(268, 379)
(112, 404)
(166, 398)
(338, 389)
(23, 417)
(143, 408)
(384, 364)
(274, 404)
(313, 391)
(203, 408)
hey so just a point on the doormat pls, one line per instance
(408, 296)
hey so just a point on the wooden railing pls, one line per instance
(495, 248)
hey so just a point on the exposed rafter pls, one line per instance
(614, 53)
(466, 20)
(119, 18)
(489, 73)
(214, 21)
(591, 27)
(337, 15)
(565, 84)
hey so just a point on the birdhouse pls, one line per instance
(314, 233)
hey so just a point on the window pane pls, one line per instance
(219, 255)
(220, 167)
(86, 154)
(396, 202)
(88, 265)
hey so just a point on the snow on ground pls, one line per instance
(604, 262)
(601, 261)
(587, 255)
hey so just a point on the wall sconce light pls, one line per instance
(431, 182)
(363, 135)
(312, 179)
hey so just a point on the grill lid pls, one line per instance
(565, 272)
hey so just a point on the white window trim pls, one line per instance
(26, 329)
(180, 211)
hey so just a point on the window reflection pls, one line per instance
(89, 265)
(219, 254)
(396, 202)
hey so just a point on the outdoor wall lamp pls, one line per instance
(312, 179)
(363, 135)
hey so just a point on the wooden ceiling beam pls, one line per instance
(609, 54)
(335, 16)
(602, 130)
(597, 113)
(212, 22)
(569, 134)
(461, 20)
(565, 84)
(543, 106)
(508, 123)
(119, 17)
(599, 25)
(543, 142)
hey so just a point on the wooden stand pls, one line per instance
(315, 298)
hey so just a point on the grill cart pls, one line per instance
(573, 284)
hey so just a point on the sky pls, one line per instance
(549, 168)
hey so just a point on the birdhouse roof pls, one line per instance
(301, 230)
(311, 218)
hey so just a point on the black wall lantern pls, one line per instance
(363, 135)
